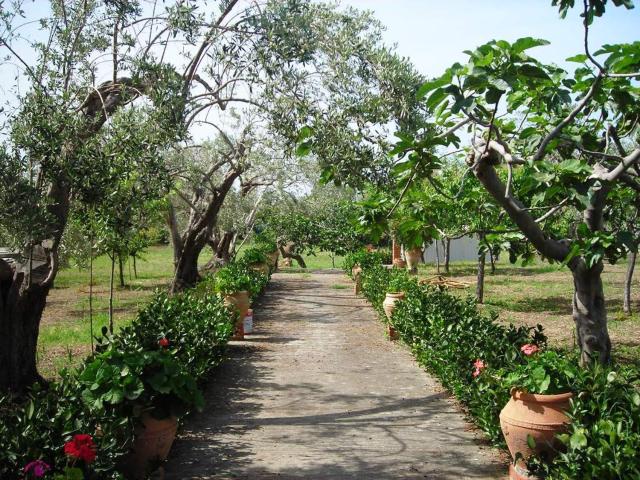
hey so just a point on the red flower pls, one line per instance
(163, 342)
(37, 468)
(81, 447)
(479, 366)
(529, 349)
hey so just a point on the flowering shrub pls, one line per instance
(81, 447)
(479, 361)
(171, 345)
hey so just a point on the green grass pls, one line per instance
(543, 294)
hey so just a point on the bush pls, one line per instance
(253, 256)
(364, 259)
(156, 361)
(479, 360)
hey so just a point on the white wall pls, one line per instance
(465, 248)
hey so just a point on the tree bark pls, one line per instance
(480, 276)
(288, 251)
(590, 314)
(631, 265)
(193, 240)
(446, 245)
(435, 244)
(121, 271)
(21, 307)
(113, 268)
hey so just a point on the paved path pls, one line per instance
(319, 392)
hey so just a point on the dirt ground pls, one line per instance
(319, 392)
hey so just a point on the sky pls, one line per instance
(434, 33)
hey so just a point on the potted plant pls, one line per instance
(234, 283)
(149, 386)
(413, 256)
(256, 259)
(394, 294)
(541, 390)
(356, 274)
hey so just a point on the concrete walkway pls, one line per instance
(318, 392)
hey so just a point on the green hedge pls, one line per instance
(197, 326)
(447, 334)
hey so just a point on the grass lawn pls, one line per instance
(543, 294)
(65, 331)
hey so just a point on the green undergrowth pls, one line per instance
(478, 360)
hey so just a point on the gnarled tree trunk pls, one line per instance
(480, 275)
(446, 246)
(21, 307)
(590, 313)
(289, 251)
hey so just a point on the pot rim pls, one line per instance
(542, 398)
(395, 294)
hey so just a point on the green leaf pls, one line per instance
(432, 85)
(526, 43)
(531, 442)
(578, 440)
(580, 58)
(533, 71)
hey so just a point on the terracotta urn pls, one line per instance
(399, 263)
(153, 440)
(240, 302)
(414, 258)
(356, 274)
(540, 416)
(389, 305)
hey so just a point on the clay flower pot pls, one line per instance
(399, 263)
(389, 305)
(414, 257)
(239, 301)
(540, 416)
(356, 274)
(153, 440)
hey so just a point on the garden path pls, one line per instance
(318, 392)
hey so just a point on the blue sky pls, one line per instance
(433, 33)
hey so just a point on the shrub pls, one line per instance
(252, 256)
(156, 361)
(479, 360)
(364, 259)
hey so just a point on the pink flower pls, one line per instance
(37, 468)
(529, 349)
(479, 366)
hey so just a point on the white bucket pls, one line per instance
(248, 322)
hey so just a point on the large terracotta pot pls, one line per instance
(356, 274)
(239, 301)
(540, 416)
(389, 305)
(153, 440)
(399, 263)
(414, 258)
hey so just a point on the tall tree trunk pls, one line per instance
(91, 293)
(628, 279)
(135, 266)
(113, 269)
(187, 247)
(21, 307)
(480, 276)
(437, 257)
(492, 260)
(590, 313)
(446, 245)
(121, 271)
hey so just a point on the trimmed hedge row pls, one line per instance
(448, 334)
(192, 329)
